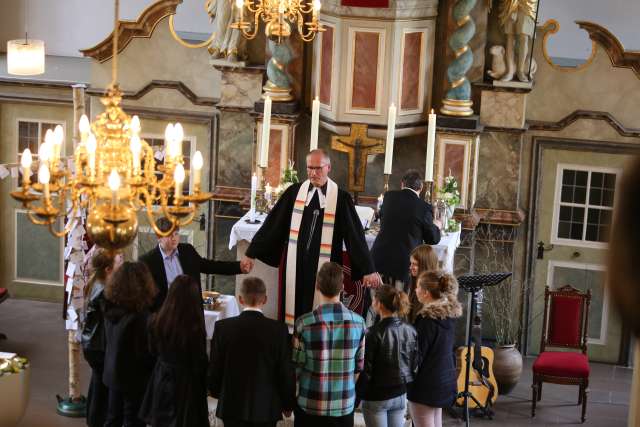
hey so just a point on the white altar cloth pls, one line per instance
(445, 249)
(228, 308)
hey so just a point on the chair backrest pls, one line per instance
(566, 318)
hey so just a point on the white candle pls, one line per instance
(92, 145)
(114, 185)
(315, 123)
(136, 146)
(178, 177)
(431, 145)
(25, 162)
(266, 129)
(391, 129)
(43, 178)
(196, 167)
(254, 189)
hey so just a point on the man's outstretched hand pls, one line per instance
(246, 265)
(372, 280)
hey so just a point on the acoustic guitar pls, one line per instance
(482, 382)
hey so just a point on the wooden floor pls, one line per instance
(35, 330)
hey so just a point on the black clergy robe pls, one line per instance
(270, 243)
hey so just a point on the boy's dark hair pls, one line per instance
(412, 179)
(165, 224)
(253, 290)
(329, 279)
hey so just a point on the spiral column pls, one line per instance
(457, 101)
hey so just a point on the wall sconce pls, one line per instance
(203, 222)
(542, 248)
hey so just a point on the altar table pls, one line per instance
(228, 308)
(242, 233)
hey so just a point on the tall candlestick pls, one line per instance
(254, 189)
(196, 167)
(266, 129)
(315, 123)
(391, 130)
(431, 144)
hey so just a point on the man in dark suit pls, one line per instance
(406, 221)
(171, 258)
(250, 371)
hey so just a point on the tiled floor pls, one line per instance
(36, 331)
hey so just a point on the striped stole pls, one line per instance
(326, 241)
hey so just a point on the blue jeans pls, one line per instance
(384, 413)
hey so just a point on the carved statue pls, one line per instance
(499, 66)
(227, 43)
(518, 21)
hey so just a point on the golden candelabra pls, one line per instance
(278, 15)
(112, 175)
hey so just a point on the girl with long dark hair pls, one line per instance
(177, 392)
(130, 292)
(423, 258)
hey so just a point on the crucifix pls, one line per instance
(359, 147)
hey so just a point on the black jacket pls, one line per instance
(406, 222)
(192, 265)
(177, 392)
(390, 360)
(435, 383)
(92, 339)
(128, 362)
(250, 371)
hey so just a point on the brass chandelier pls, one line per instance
(112, 176)
(278, 16)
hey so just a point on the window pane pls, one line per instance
(577, 214)
(597, 179)
(568, 177)
(607, 198)
(567, 194)
(592, 233)
(609, 181)
(564, 230)
(593, 216)
(28, 137)
(595, 196)
(576, 231)
(581, 178)
(565, 213)
(580, 195)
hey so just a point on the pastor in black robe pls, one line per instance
(270, 243)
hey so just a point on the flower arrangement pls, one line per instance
(289, 176)
(450, 192)
(12, 364)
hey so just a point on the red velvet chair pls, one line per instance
(565, 325)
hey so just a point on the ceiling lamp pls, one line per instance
(112, 175)
(25, 57)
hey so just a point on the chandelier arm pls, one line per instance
(35, 219)
(65, 230)
(256, 26)
(188, 219)
(253, 8)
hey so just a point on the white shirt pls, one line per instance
(321, 197)
(172, 267)
(252, 309)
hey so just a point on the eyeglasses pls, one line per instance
(315, 168)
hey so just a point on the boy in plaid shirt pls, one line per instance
(328, 349)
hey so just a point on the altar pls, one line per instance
(242, 233)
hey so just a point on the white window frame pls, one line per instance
(149, 230)
(18, 279)
(605, 301)
(192, 150)
(561, 167)
(40, 135)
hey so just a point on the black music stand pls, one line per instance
(474, 284)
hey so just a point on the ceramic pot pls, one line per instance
(14, 389)
(507, 367)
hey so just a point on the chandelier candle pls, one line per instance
(178, 177)
(43, 178)
(136, 147)
(25, 162)
(84, 127)
(266, 129)
(315, 123)
(92, 145)
(114, 185)
(57, 140)
(391, 129)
